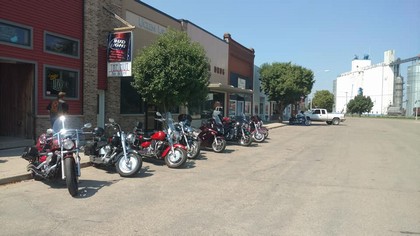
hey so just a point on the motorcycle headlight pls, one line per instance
(175, 136)
(68, 144)
(189, 129)
(130, 138)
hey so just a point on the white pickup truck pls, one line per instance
(322, 115)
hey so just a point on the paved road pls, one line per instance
(359, 178)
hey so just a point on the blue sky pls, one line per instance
(321, 35)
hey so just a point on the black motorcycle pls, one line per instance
(300, 119)
(189, 138)
(235, 129)
(112, 149)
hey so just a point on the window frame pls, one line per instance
(63, 37)
(22, 27)
(69, 95)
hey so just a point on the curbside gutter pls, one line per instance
(23, 177)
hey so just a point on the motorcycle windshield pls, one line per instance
(170, 122)
(241, 118)
(68, 126)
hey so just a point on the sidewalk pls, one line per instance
(13, 167)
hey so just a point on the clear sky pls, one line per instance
(321, 35)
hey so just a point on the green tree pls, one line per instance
(359, 105)
(172, 71)
(323, 99)
(285, 83)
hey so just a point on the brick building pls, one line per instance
(62, 46)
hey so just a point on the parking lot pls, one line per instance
(358, 178)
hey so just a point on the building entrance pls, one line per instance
(17, 100)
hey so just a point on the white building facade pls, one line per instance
(375, 81)
(413, 90)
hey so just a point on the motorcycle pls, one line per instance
(300, 119)
(258, 132)
(235, 130)
(112, 150)
(188, 137)
(258, 123)
(163, 144)
(56, 154)
(211, 135)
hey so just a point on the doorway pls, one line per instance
(17, 100)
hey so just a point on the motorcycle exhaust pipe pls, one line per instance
(34, 170)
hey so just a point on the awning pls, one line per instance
(228, 88)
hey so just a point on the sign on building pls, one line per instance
(119, 54)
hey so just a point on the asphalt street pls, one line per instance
(359, 178)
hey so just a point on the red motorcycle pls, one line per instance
(211, 135)
(258, 131)
(56, 154)
(162, 144)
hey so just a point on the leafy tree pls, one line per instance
(172, 71)
(285, 83)
(323, 99)
(359, 105)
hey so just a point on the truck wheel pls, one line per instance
(336, 121)
(329, 122)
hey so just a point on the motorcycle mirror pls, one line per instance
(88, 125)
(50, 131)
(158, 113)
(111, 120)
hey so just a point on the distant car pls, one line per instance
(322, 115)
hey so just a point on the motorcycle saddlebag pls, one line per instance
(90, 148)
(30, 153)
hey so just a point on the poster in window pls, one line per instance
(119, 54)
(247, 108)
(232, 108)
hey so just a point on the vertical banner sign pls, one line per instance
(119, 54)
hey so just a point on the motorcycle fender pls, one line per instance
(121, 155)
(180, 146)
(169, 148)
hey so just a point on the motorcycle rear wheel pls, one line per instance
(71, 177)
(132, 167)
(177, 158)
(194, 150)
(219, 146)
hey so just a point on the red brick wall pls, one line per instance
(59, 17)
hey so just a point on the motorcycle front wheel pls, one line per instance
(130, 167)
(246, 140)
(177, 158)
(71, 177)
(258, 137)
(219, 146)
(194, 150)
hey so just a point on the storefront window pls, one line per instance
(57, 80)
(12, 34)
(61, 45)
(131, 102)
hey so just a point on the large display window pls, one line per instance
(61, 80)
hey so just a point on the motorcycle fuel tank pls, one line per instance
(160, 135)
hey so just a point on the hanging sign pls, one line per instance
(119, 54)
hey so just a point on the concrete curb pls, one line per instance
(19, 178)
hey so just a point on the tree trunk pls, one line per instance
(281, 108)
